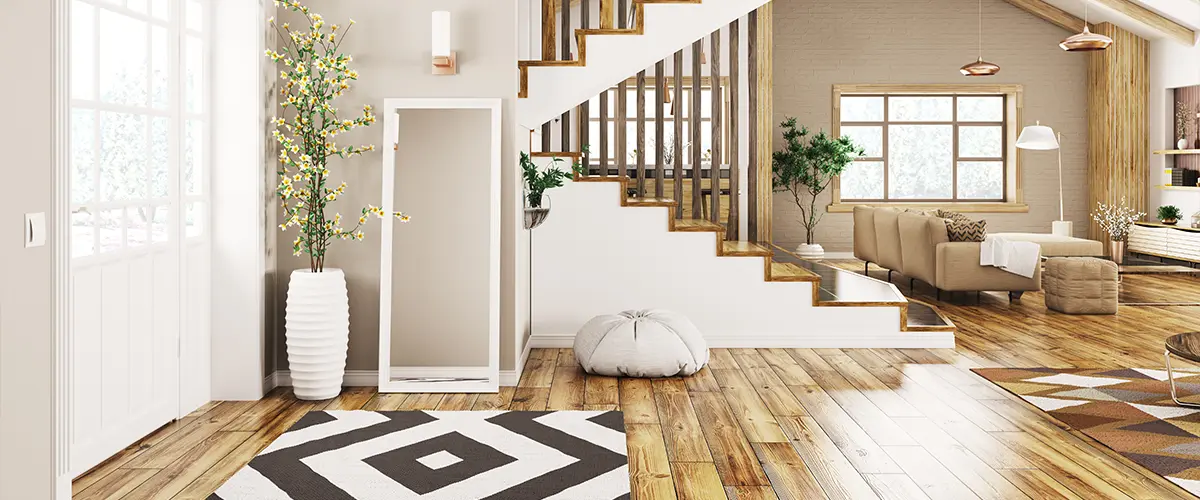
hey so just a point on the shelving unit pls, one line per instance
(1178, 152)
(1180, 188)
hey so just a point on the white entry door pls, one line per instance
(138, 202)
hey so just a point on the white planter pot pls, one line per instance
(813, 251)
(1182, 143)
(318, 332)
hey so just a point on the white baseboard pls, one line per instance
(370, 378)
(509, 378)
(906, 340)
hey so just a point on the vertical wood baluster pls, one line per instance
(546, 137)
(585, 134)
(677, 162)
(566, 30)
(731, 233)
(604, 133)
(585, 13)
(606, 14)
(752, 127)
(548, 45)
(622, 14)
(641, 134)
(660, 90)
(621, 132)
(694, 124)
(565, 131)
(714, 66)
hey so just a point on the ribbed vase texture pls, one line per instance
(318, 332)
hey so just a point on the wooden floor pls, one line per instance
(776, 423)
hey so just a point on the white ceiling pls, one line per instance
(1184, 12)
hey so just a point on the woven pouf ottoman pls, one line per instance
(650, 343)
(1080, 285)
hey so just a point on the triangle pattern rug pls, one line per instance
(1129, 410)
(452, 455)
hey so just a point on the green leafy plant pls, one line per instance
(1169, 212)
(315, 73)
(805, 167)
(537, 182)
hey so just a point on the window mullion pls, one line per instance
(954, 141)
(887, 194)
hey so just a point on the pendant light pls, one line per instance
(1085, 41)
(980, 67)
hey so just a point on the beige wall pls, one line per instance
(441, 259)
(27, 367)
(391, 50)
(819, 44)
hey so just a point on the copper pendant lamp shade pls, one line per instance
(1085, 41)
(980, 67)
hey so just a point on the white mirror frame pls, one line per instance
(437, 379)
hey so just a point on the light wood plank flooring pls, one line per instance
(774, 423)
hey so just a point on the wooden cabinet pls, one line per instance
(1173, 242)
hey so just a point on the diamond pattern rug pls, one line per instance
(1129, 410)
(451, 455)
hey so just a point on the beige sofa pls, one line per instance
(918, 247)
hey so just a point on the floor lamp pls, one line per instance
(1042, 138)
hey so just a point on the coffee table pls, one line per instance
(1186, 346)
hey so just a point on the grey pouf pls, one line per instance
(649, 343)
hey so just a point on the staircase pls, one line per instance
(606, 55)
(620, 255)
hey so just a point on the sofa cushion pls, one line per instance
(947, 214)
(1059, 246)
(974, 230)
(887, 239)
(865, 247)
(958, 270)
(919, 237)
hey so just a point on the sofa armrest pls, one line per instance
(958, 270)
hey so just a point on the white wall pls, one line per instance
(28, 460)
(1172, 65)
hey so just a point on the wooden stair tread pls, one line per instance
(697, 225)
(530, 62)
(784, 271)
(650, 202)
(608, 31)
(744, 249)
(555, 154)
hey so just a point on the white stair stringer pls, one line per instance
(593, 256)
(668, 27)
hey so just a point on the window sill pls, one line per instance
(965, 207)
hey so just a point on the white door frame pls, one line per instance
(391, 133)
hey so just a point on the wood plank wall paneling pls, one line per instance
(714, 66)
(660, 91)
(621, 129)
(640, 151)
(765, 78)
(1118, 98)
(694, 126)
(1190, 97)
(606, 14)
(603, 133)
(677, 158)
(732, 231)
(548, 45)
(752, 196)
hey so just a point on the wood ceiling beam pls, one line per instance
(1050, 14)
(1135, 11)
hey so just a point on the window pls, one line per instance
(139, 123)
(928, 144)
(678, 108)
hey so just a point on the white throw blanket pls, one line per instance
(1017, 257)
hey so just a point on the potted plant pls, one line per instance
(1169, 214)
(804, 168)
(537, 182)
(1116, 221)
(317, 314)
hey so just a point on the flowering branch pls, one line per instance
(1116, 219)
(316, 74)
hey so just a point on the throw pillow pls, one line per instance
(954, 216)
(970, 230)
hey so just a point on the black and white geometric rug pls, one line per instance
(450, 455)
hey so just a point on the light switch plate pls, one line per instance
(35, 229)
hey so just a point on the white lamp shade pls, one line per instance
(1038, 137)
(441, 34)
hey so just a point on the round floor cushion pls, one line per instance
(650, 343)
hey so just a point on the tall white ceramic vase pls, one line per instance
(318, 332)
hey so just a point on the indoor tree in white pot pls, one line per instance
(318, 313)
(804, 168)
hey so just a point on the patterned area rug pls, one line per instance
(452, 455)
(1129, 410)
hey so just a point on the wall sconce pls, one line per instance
(445, 61)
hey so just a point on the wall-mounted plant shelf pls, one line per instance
(1180, 188)
(1178, 152)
